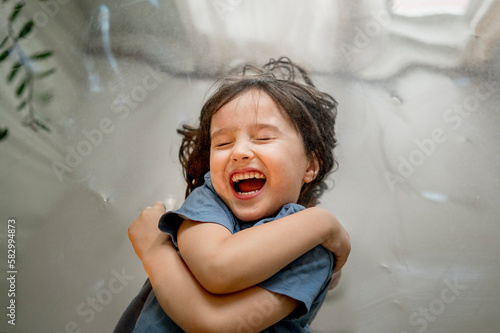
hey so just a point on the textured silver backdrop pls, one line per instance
(418, 129)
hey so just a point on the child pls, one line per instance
(251, 259)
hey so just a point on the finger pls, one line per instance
(339, 263)
(160, 205)
(340, 260)
(342, 255)
(335, 280)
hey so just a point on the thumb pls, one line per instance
(160, 205)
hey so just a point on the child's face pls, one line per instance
(257, 158)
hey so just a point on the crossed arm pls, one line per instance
(177, 286)
(231, 262)
(194, 309)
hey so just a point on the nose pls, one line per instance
(242, 151)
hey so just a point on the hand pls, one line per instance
(340, 244)
(335, 280)
(144, 233)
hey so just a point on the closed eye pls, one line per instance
(222, 144)
(263, 139)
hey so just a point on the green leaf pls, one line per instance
(42, 125)
(2, 44)
(41, 55)
(21, 87)
(44, 97)
(4, 55)
(3, 133)
(16, 11)
(22, 105)
(41, 117)
(13, 72)
(26, 29)
(45, 73)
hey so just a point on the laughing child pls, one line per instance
(252, 257)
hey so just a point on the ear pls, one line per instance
(312, 169)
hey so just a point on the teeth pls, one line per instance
(247, 193)
(247, 175)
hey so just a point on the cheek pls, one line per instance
(217, 168)
(211, 161)
(214, 160)
(218, 159)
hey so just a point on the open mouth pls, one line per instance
(248, 182)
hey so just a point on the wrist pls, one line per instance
(157, 254)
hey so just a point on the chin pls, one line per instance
(249, 216)
(252, 215)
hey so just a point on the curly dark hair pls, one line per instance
(311, 111)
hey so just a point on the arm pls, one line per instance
(230, 262)
(177, 290)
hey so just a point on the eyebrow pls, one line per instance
(257, 126)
